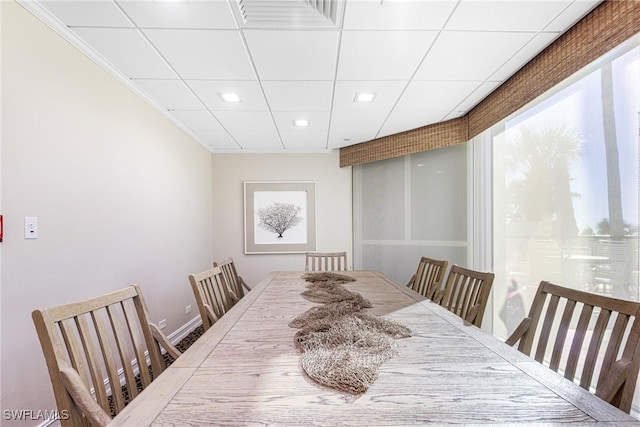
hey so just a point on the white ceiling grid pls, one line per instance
(425, 60)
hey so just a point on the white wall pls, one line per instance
(122, 196)
(333, 206)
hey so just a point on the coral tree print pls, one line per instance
(280, 217)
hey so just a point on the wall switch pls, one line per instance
(30, 227)
(162, 324)
(187, 309)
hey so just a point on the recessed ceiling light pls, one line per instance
(230, 97)
(301, 122)
(364, 97)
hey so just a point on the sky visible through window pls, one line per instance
(577, 110)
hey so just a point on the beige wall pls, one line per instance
(122, 196)
(333, 206)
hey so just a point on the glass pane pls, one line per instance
(401, 262)
(439, 188)
(383, 200)
(409, 207)
(566, 192)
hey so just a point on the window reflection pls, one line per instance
(566, 191)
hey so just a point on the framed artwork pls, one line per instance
(279, 217)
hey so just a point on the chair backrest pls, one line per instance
(234, 282)
(326, 261)
(88, 342)
(428, 279)
(466, 293)
(212, 295)
(595, 340)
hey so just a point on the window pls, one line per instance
(565, 173)
(565, 192)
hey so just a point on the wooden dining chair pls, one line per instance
(428, 279)
(96, 353)
(236, 283)
(325, 261)
(599, 332)
(212, 295)
(466, 293)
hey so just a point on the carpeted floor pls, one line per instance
(185, 343)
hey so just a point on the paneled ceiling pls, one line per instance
(423, 61)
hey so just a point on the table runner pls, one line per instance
(342, 346)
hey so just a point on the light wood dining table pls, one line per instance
(245, 371)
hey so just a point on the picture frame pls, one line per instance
(279, 217)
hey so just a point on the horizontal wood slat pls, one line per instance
(605, 27)
(437, 135)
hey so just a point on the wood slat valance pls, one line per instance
(605, 27)
(437, 135)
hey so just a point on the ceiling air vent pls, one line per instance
(286, 14)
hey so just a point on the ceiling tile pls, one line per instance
(255, 139)
(386, 94)
(572, 14)
(470, 55)
(128, 51)
(97, 13)
(310, 142)
(478, 95)
(206, 128)
(249, 92)
(287, 55)
(441, 95)
(234, 120)
(382, 55)
(250, 129)
(204, 54)
(524, 55)
(216, 140)
(179, 14)
(171, 94)
(355, 126)
(318, 121)
(198, 120)
(400, 121)
(313, 137)
(397, 15)
(298, 95)
(500, 15)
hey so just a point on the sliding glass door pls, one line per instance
(409, 207)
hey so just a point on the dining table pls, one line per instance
(245, 371)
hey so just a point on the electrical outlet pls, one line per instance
(162, 324)
(187, 309)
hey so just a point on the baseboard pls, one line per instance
(175, 337)
(182, 332)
